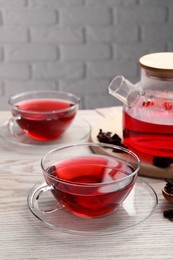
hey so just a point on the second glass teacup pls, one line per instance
(43, 115)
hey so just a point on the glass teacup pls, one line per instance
(89, 179)
(42, 115)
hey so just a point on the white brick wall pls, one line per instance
(78, 45)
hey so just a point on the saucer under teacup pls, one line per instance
(79, 131)
(137, 207)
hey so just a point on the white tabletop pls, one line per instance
(23, 236)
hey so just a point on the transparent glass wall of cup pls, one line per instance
(87, 183)
(42, 115)
(148, 108)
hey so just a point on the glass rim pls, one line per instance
(127, 151)
(35, 92)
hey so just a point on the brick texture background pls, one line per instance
(78, 45)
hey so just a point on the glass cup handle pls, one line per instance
(36, 196)
(13, 127)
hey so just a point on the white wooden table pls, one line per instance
(22, 236)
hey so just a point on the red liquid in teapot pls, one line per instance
(44, 126)
(148, 128)
(90, 200)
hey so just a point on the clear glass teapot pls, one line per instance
(148, 108)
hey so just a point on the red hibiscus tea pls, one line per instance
(148, 128)
(43, 125)
(43, 116)
(91, 186)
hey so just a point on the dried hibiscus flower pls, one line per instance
(168, 213)
(109, 138)
(162, 162)
(169, 186)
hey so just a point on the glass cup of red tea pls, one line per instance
(89, 179)
(42, 115)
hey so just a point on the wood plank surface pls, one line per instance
(24, 237)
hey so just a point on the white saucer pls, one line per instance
(137, 207)
(79, 131)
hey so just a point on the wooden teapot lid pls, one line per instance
(158, 64)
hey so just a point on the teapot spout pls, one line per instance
(123, 90)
